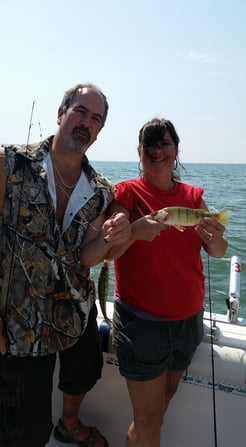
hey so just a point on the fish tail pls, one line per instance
(223, 217)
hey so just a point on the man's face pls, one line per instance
(82, 121)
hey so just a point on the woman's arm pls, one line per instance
(144, 228)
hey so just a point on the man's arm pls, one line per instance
(101, 236)
(110, 238)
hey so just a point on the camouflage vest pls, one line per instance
(44, 294)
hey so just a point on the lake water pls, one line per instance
(224, 188)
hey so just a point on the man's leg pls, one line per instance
(80, 368)
(34, 379)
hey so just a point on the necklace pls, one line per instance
(61, 179)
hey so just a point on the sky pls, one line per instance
(183, 60)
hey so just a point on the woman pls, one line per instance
(159, 282)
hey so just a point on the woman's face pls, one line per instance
(158, 158)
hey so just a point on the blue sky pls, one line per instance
(184, 60)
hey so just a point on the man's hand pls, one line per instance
(117, 229)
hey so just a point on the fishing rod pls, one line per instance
(30, 124)
(212, 355)
(19, 205)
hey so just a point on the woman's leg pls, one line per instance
(150, 400)
(172, 383)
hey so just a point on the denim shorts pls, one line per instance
(146, 348)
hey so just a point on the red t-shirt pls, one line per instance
(163, 277)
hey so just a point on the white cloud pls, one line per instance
(206, 58)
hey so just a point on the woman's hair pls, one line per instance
(153, 132)
(69, 95)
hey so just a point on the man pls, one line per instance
(52, 205)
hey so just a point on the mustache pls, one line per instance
(82, 129)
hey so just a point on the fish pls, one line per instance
(181, 217)
(102, 288)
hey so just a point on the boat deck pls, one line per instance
(190, 420)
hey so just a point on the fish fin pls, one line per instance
(223, 217)
(179, 228)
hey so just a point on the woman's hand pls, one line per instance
(210, 230)
(212, 233)
(146, 228)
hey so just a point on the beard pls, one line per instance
(76, 145)
(77, 142)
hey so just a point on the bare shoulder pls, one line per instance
(2, 157)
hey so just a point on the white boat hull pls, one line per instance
(190, 420)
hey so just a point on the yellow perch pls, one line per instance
(180, 217)
(103, 286)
